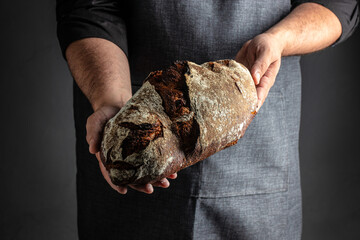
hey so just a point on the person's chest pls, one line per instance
(160, 32)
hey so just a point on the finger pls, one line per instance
(163, 183)
(266, 82)
(172, 176)
(147, 188)
(119, 189)
(94, 127)
(260, 65)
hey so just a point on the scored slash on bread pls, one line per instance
(180, 116)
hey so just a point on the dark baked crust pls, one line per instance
(171, 86)
(180, 116)
(139, 136)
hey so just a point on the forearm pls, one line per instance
(101, 70)
(308, 28)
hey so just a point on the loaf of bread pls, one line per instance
(180, 115)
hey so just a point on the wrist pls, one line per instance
(279, 37)
(113, 98)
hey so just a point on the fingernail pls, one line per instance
(149, 188)
(164, 182)
(257, 78)
(123, 191)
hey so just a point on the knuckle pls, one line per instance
(267, 82)
(263, 65)
(270, 75)
(258, 48)
(247, 43)
(88, 125)
(96, 119)
(90, 119)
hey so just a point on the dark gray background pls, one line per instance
(37, 170)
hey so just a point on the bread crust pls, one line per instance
(179, 116)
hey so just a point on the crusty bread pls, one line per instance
(180, 115)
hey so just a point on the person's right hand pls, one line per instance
(94, 129)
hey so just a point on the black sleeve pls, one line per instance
(347, 12)
(78, 19)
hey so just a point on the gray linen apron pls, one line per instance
(248, 191)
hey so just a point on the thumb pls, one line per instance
(95, 125)
(260, 66)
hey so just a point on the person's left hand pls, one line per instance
(262, 56)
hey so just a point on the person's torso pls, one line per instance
(161, 32)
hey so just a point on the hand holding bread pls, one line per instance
(181, 115)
